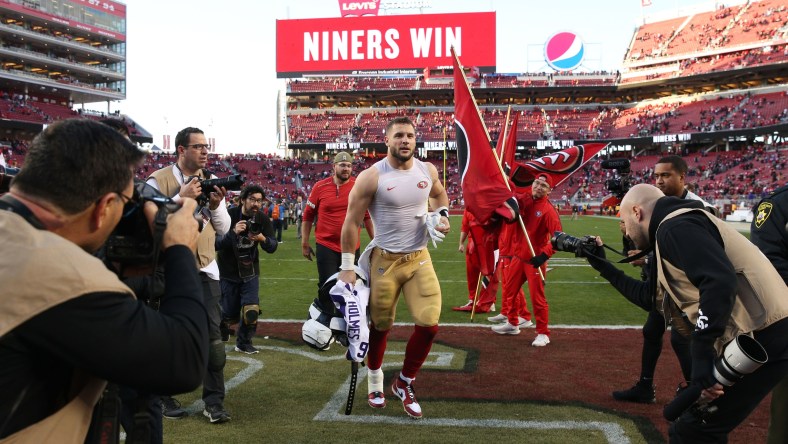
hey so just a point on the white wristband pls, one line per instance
(348, 260)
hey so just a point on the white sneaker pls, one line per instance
(497, 318)
(541, 340)
(524, 323)
(506, 329)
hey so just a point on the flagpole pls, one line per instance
(476, 295)
(505, 134)
(444, 156)
(497, 160)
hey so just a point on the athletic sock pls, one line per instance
(377, 347)
(418, 348)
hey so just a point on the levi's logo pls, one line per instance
(351, 8)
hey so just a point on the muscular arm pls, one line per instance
(359, 201)
(438, 196)
(370, 227)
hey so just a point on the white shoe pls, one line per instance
(524, 323)
(497, 318)
(541, 340)
(506, 329)
(492, 307)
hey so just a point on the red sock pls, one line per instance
(377, 347)
(418, 348)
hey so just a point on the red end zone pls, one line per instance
(579, 367)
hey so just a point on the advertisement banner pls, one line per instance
(384, 45)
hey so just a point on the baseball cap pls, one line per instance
(343, 157)
(546, 178)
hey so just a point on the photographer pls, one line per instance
(237, 256)
(722, 283)
(67, 324)
(179, 181)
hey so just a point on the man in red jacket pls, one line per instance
(541, 221)
(328, 203)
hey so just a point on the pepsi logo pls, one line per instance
(564, 51)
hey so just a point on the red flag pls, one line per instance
(558, 165)
(482, 182)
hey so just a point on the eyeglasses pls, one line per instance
(199, 146)
(130, 204)
(254, 201)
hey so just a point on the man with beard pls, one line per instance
(328, 204)
(725, 287)
(178, 181)
(239, 267)
(669, 174)
(396, 191)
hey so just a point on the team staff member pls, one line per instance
(706, 267)
(396, 190)
(179, 181)
(328, 204)
(239, 265)
(541, 221)
(67, 324)
(769, 232)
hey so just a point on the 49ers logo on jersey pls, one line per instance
(422, 185)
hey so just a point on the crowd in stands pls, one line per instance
(647, 118)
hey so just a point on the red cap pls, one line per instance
(546, 178)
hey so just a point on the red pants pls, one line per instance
(486, 295)
(515, 273)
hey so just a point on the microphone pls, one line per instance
(615, 164)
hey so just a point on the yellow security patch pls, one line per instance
(764, 211)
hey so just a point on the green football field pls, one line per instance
(476, 386)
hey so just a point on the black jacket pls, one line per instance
(227, 245)
(769, 229)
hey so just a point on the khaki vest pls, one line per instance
(761, 294)
(69, 273)
(206, 247)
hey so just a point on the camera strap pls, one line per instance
(635, 257)
(9, 203)
(159, 225)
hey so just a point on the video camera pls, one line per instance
(580, 246)
(620, 184)
(132, 243)
(6, 174)
(233, 182)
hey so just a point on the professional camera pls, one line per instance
(233, 182)
(739, 358)
(6, 174)
(620, 183)
(132, 243)
(580, 246)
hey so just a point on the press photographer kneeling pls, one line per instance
(67, 324)
(708, 272)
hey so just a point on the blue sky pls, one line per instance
(212, 64)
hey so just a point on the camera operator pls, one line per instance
(67, 324)
(182, 180)
(769, 232)
(708, 272)
(669, 175)
(237, 256)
